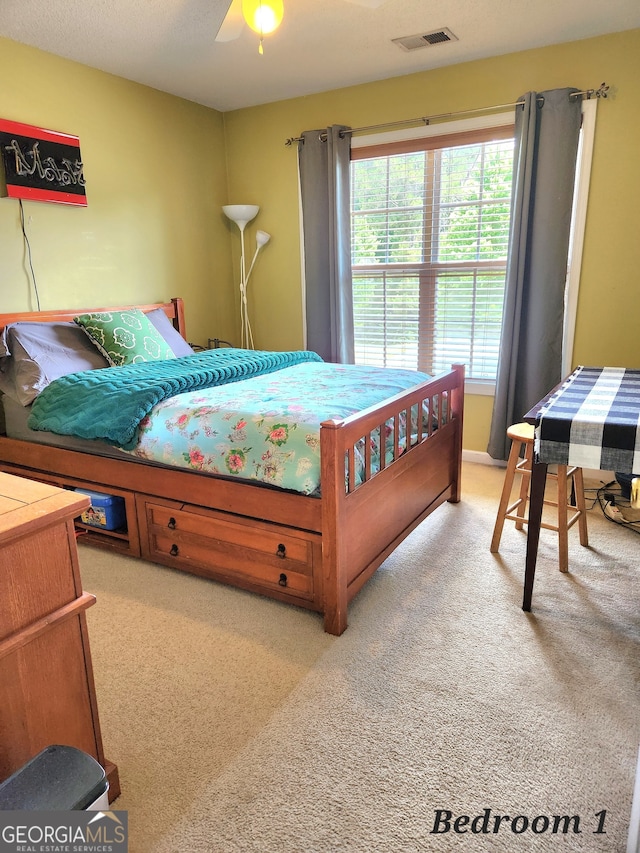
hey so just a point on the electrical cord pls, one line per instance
(609, 497)
(217, 342)
(28, 245)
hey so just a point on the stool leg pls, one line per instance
(563, 532)
(514, 455)
(578, 485)
(525, 470)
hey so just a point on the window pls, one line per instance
(429, 233)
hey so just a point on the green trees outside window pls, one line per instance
(430, 232)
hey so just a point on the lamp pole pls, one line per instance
(241, 214)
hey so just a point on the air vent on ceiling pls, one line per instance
(426, 40)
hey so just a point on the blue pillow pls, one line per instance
(168, 331)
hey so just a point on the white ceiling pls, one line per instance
(321, 44)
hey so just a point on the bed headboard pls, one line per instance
(173, 309)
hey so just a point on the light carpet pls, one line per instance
(239, 726)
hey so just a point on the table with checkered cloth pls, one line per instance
(592, 421)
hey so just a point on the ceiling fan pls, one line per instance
(263, 16)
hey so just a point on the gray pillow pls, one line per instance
(34, 354)
(171, 335)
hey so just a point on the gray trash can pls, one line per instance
(60, 778)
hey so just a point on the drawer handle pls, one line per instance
(281, 552)
(174, 550)
(283, 579)
(171, 524)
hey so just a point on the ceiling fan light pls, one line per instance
(263, 16)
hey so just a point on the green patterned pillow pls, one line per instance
(124, 337)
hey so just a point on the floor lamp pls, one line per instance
(241, 214)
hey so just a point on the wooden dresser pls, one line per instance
(47, 692)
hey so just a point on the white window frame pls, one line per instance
(583, 171)
(578, 225)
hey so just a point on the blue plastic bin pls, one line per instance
(106, 511)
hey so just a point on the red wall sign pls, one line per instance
(41, 165)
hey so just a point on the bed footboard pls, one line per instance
(362, 522)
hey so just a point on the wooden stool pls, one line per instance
(521, 436)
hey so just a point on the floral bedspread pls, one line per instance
(266, 428)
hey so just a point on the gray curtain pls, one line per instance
(547, 132)
(323, 157)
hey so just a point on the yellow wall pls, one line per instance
(263, 171)
(159, 168)
(156, 178)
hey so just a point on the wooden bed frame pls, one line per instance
(313, 552)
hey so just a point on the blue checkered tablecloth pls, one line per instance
(592, 421)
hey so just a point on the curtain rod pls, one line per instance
(600, 92)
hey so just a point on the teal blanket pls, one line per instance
(110, 403)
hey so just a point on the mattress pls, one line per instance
(265, 429)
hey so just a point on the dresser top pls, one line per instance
(27, 504)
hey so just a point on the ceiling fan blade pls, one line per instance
(232, 24)
(371, 4)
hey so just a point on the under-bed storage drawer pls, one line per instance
(247, 552)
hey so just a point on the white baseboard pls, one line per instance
(483, 458)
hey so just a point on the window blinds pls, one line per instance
(430, 230)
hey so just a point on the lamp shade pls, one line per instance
(241, 213)
(263, 16)
(262, 238)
